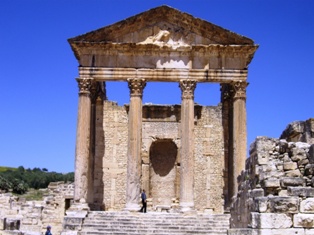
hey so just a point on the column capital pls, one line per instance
(97, 91)
(227, 92)
(136, 86)
(240, 89)
(187, 87)
(84, 85)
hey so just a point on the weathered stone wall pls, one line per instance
(161, 129)
(32, 217)
(209, 161)
(276, 192)
(114, 162)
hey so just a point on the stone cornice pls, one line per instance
(134, 49)
(168, 17)
(163, 75)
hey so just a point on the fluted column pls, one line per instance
(133, 186)
(239, 131)
(82, 150)
(187, 145)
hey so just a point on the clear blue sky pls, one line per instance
(38, 98)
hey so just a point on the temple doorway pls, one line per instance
(163, 172)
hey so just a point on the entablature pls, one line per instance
(163, 75)
(133, 55)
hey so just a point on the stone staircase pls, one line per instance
(126, 223)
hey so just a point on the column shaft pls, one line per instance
(227, 120)
(187, 145)
(82, 150)
(239, 132)
(134, 144)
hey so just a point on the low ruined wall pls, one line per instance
(32, 217)
(276, 192)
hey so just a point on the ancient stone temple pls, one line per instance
(187, 157)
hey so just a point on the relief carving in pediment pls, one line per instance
(165, 38)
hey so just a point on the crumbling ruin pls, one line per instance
(18, 216)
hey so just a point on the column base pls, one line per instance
(132, 207)
(187, 207)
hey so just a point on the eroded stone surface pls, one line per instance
(271, 220)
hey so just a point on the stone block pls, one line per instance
(309, 169)
(2, 223)
(303, 220)
(293, 173)
(303, 162)
(72, 223)
(291, 181)
(284, 204)
(308, 231)
(307, 205)
(240, 231)
(69, 232)
(287, 166)
(261, 204)
(301, 191)
(262, 159)
(283, 193)
(283, 146)
(288, 231)
(271, 183)
(270, 220)
(258, 192)
(311, 154)
(302, 145)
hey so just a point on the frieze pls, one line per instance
(245, 51)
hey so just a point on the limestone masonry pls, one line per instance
(190, 159)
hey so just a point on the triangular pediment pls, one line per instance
(163, 25)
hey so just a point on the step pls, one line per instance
(154, 223)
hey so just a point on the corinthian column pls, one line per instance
(133, 186)
(227, 123)
(82, 150)
(187, 145)
(239, 131)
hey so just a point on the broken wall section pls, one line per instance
(299, 131)
(276, 191)
(32, 217)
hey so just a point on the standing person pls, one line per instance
(144, 203)
(48, 232)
